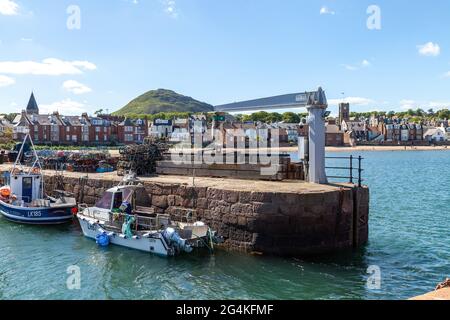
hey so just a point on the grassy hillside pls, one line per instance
(163, 100)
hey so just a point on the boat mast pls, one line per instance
(36, 162)
(19, 156)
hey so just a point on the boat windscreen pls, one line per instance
(121, 196)
(105, 201)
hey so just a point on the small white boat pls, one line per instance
(123, 217)
(23, 200)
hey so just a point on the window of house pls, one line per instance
(97, 129)
(74, 138)
(96, 137)
(128, 137)
(67, 137)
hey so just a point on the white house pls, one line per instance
(435, 135)
(161, 128)
(404, 133)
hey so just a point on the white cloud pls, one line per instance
(353, 67)
(365, 63)
(356, 101)
(350, 67)
(8, 8)
(76, 87)
(404, 105)
(447, 74)
(6, 81)
(64, 107)
(429, 49)
(438, 104)
(326, 10)
(414, 104)
(170, 8)
(408, 104)
(48, 67)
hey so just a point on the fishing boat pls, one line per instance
(123, 217)
(23, 200)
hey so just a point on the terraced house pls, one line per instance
(132, 131)
(76, 130)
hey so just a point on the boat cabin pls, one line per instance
(137, 196)
(26, 187)
(140, 207)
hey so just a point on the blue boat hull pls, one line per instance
(44, 216)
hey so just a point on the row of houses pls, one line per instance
(59, 129)
(385, 130)
(231, 131)
(83, 130)
(396, 131)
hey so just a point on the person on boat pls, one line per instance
(126, 208)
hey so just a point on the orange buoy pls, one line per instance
(5, 192)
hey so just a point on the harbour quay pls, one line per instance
(287, 218)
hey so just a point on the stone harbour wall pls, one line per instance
(279, 223)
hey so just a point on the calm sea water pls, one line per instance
(409, 242)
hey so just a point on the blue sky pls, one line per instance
(223, 51)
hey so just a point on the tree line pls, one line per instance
(262, 116)
(417, 115)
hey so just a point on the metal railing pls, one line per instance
(350, 169)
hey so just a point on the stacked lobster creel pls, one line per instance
(141, 158)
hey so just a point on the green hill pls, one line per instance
(162, 100)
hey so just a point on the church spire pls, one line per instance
(32, 107)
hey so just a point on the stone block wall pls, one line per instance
(291, 224)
